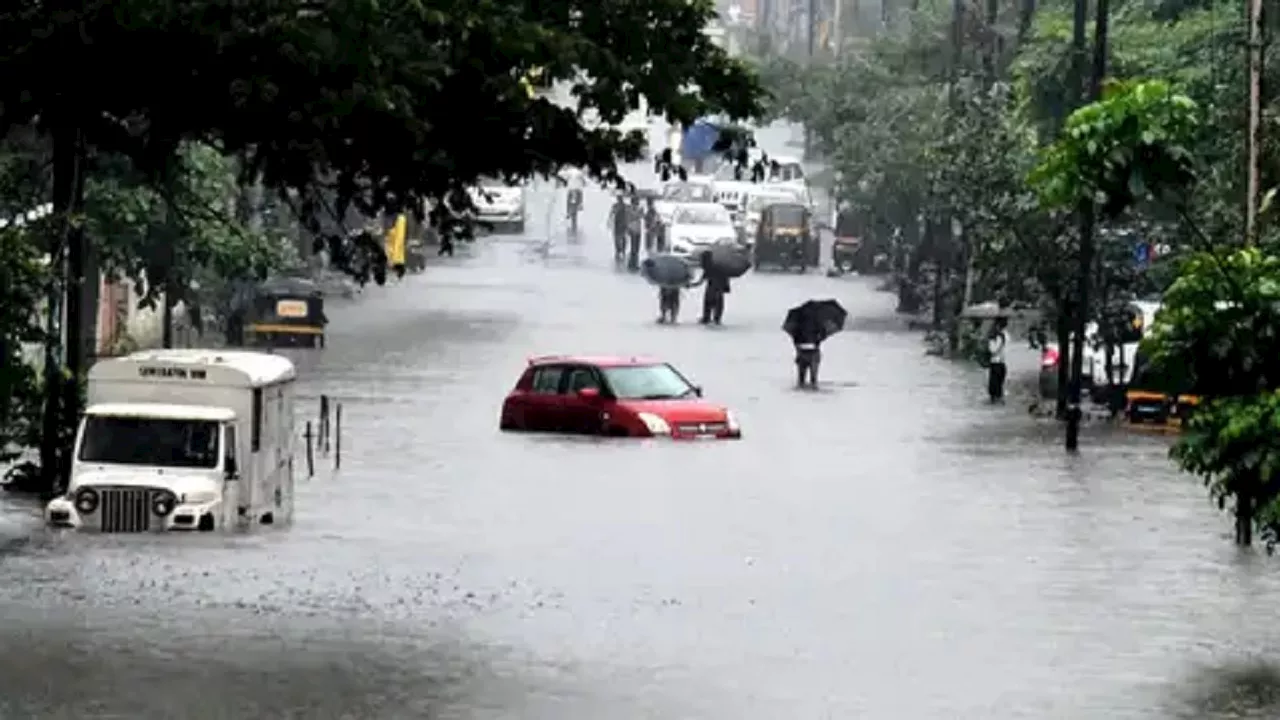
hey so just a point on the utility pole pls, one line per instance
(1087, 220)
(1254, 138)
(810, 28)
(837, 30)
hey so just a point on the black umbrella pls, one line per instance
(729, 260)
(666, 271)
(814, 321)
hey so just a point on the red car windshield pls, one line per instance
(647, 382)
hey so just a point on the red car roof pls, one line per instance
(596, 360)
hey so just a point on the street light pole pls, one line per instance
(1253, 140)
(810, 26)
(1087, 222)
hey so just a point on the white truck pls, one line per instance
(183, 440)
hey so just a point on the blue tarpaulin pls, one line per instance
(698, 140)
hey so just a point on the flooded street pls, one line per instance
(889, 547)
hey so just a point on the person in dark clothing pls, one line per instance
(618, 216)
(652, 227)
(668, 304)
(635, 228)
(808, 341)
(713, 295)
(996, 369)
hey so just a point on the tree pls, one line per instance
(384, 106)
(1220, 329)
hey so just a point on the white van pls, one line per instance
(183, 440)
(1142, 315)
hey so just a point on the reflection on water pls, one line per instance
(1238, 691)
(893, 548)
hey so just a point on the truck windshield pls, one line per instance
(162, 442)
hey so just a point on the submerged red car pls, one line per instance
(613, 396)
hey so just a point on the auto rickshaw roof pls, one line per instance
(290, 286)
(774, 207)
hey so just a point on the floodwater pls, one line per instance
(889, 547)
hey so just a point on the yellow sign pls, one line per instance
(788, 231)
(291, 308)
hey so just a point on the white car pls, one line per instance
(678, 193)
(499, 204)
(696, 227)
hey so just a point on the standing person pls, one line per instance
(653, 241)
(808, 341)
(669, 304)
(618, 219)
(717, 287)
(996, 369)
(635, 227)
(576, 182)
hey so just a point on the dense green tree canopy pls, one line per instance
(387, 102)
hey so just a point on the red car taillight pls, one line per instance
(1049, 358)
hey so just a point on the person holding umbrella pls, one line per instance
(717, 281)
(809, 325)
(672, 275)
(997, 371)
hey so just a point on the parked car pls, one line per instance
(614, 397)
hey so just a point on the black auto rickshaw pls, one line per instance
(285, 312)
(785, 238)
(1159, 395)
(848, 242)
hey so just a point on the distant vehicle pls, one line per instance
(613, 397)
(1160, 397)
(733, 196)
(1141, 316)
(283, 312)
(761, 198)
(680, 192)
(698, 227)
(785, 238)
(500, 204)
(1050, 355)
(174, 440)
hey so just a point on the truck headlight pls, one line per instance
(655, 424)
(86, 500)
(731, 421)
(163, 503)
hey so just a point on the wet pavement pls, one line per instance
(888, 548)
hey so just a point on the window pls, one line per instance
(160, 442)
(582, 378)
(546, 380)
(255, 435)
(647, 382)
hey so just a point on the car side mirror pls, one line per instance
(589, 394)
(232, 471)
(697, 390)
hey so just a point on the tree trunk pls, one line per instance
(1063, 332)
(62, 390)
(1026, 16)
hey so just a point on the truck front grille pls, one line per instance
(125, 510)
